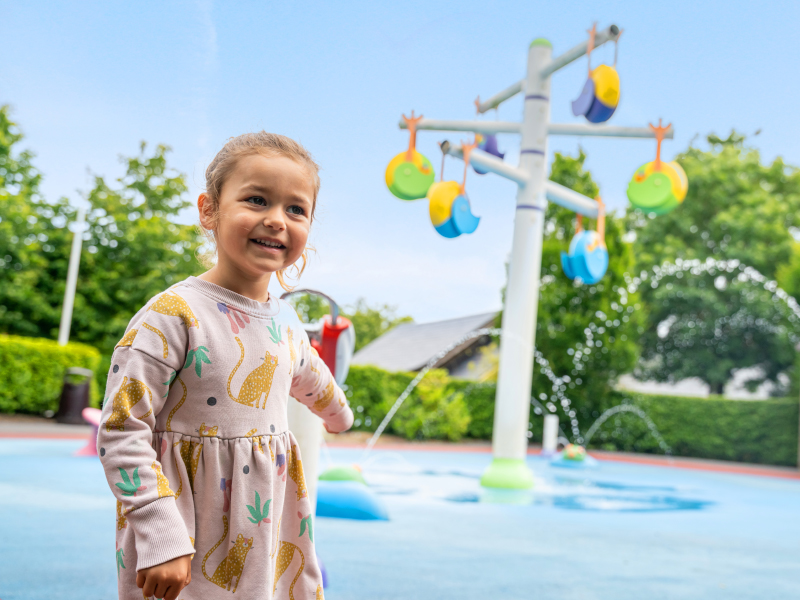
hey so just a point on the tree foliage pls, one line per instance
(709, 324)
(369, 322)
(132, 248)
(587, 333)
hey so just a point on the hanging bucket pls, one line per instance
(409, 180)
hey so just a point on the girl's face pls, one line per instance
(264, 215)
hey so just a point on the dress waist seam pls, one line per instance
(219, 437)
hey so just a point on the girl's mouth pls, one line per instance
(270, 246)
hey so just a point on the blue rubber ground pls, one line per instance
(617, 532)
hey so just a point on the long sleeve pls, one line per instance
(143, 365)
(314, 386)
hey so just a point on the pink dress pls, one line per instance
(195, 443)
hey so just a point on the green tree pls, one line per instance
(369, 322)
(708, 322)
(132, 248)
(24, 237)
(587, 333)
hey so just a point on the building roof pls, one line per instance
(409, 346)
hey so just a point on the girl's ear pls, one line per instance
(206, 209)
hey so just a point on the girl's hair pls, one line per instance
(248, 144)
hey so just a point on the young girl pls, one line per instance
(194, 437)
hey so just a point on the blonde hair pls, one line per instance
(248, 144)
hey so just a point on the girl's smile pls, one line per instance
(264, 217)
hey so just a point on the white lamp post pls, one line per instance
(72, 277)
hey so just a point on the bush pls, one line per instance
(754, 431)
(757, 431)
(32, 372)
(435, 410)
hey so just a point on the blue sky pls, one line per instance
(89, 80)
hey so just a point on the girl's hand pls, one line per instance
(167, 579)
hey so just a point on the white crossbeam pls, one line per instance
(577, 129)
(489, 163)
(475, 126)
(559, 62)
(500, 97)
(583, 129)
(570, 199)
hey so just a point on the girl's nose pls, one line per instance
(274, 219)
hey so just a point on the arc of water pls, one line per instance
(696, 266)
(558, 389)
(410, 387)
(539, 405)
(631, 409)
(709, 265)
(745, 273)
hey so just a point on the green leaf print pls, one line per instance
(303, 522)
(199, 356)
(275, 332)
(169, 382)
(128, 488)
(259, 513)
(120, 554)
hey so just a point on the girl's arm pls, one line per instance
(143, 365)
(314, 386)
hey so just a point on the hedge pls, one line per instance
(32, 372)
(755, 431)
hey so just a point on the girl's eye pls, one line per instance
(257, 200)
(296, 210)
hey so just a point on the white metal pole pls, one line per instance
(512, 403)
(307, 430)
(72, 278)
(550, 435)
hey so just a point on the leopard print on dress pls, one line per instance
(258, 383)
(171, 304)
(233, 564)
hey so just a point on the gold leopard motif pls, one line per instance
(256, 439)
(208, 431)
(324, 399)
(233, 564)
(295, 470)
(163, 482)
(292, 352)
(127, 339)
(171, 304)
(161, 335)
(128, 395)
(257, 384)
(311, 364)
(285, 557)
(190, 458)
(122, 522)
(178, 405)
